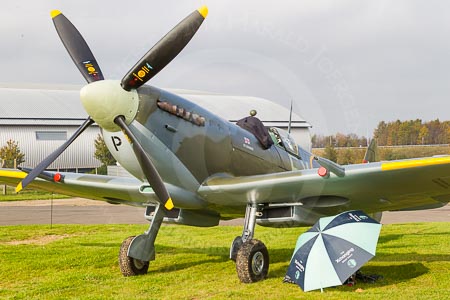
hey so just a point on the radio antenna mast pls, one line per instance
(290, 118)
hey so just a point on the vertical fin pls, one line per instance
(371, 152)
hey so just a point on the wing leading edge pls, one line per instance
(112, 189)
(372, 187)
(96, 187)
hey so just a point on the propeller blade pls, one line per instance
(164, 51)
(52, 157)
(77, 47)
(147, 166)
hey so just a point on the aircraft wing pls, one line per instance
(372, 187)
(96, 187)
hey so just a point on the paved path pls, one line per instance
(69, 211)
(82, 211)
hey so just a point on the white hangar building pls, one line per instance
(41, 118)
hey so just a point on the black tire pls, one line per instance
(130, 266)
(237, 243)
(252, 261)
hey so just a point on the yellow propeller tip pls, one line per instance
(55, 13)
(169, 204)
(203, 11)
(19, 187)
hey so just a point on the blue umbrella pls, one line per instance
(333, 249)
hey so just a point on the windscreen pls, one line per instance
(285, 140)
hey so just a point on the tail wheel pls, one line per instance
(252, 261)
(130, 266)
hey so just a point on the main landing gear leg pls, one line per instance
(251, 255)
(136, 252)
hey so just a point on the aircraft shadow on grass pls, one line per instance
(394, 274)
(411, 256)
(102, 245)
(285, 254)
(392, 237)
(221, 254)
(391, 274)
(185, 265)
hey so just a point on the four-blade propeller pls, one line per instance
(77, 47)
(148, 66)
(164, 51)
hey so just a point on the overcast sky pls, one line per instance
(346, 64)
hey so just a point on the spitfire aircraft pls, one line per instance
(194, 168)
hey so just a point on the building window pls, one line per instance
(51, 135)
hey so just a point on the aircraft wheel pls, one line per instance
(130, 266)
(252, 261)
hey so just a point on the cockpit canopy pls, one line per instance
(283, 139)
(268, 137)
(255, 126)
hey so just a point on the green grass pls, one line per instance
(80, 262)
(28, 194)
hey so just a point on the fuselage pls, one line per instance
(188, 144)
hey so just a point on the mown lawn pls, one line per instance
(80, 262)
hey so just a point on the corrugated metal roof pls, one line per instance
(233, 108)
(34, 103)
(37, 122)
(45, 105)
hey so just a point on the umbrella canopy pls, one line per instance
(333, 249)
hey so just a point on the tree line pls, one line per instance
(410, 132)
(338, 140)
(346, 156)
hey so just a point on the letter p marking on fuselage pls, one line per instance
(116, 142)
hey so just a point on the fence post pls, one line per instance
(2, 164)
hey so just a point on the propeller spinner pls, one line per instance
(113, 105)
